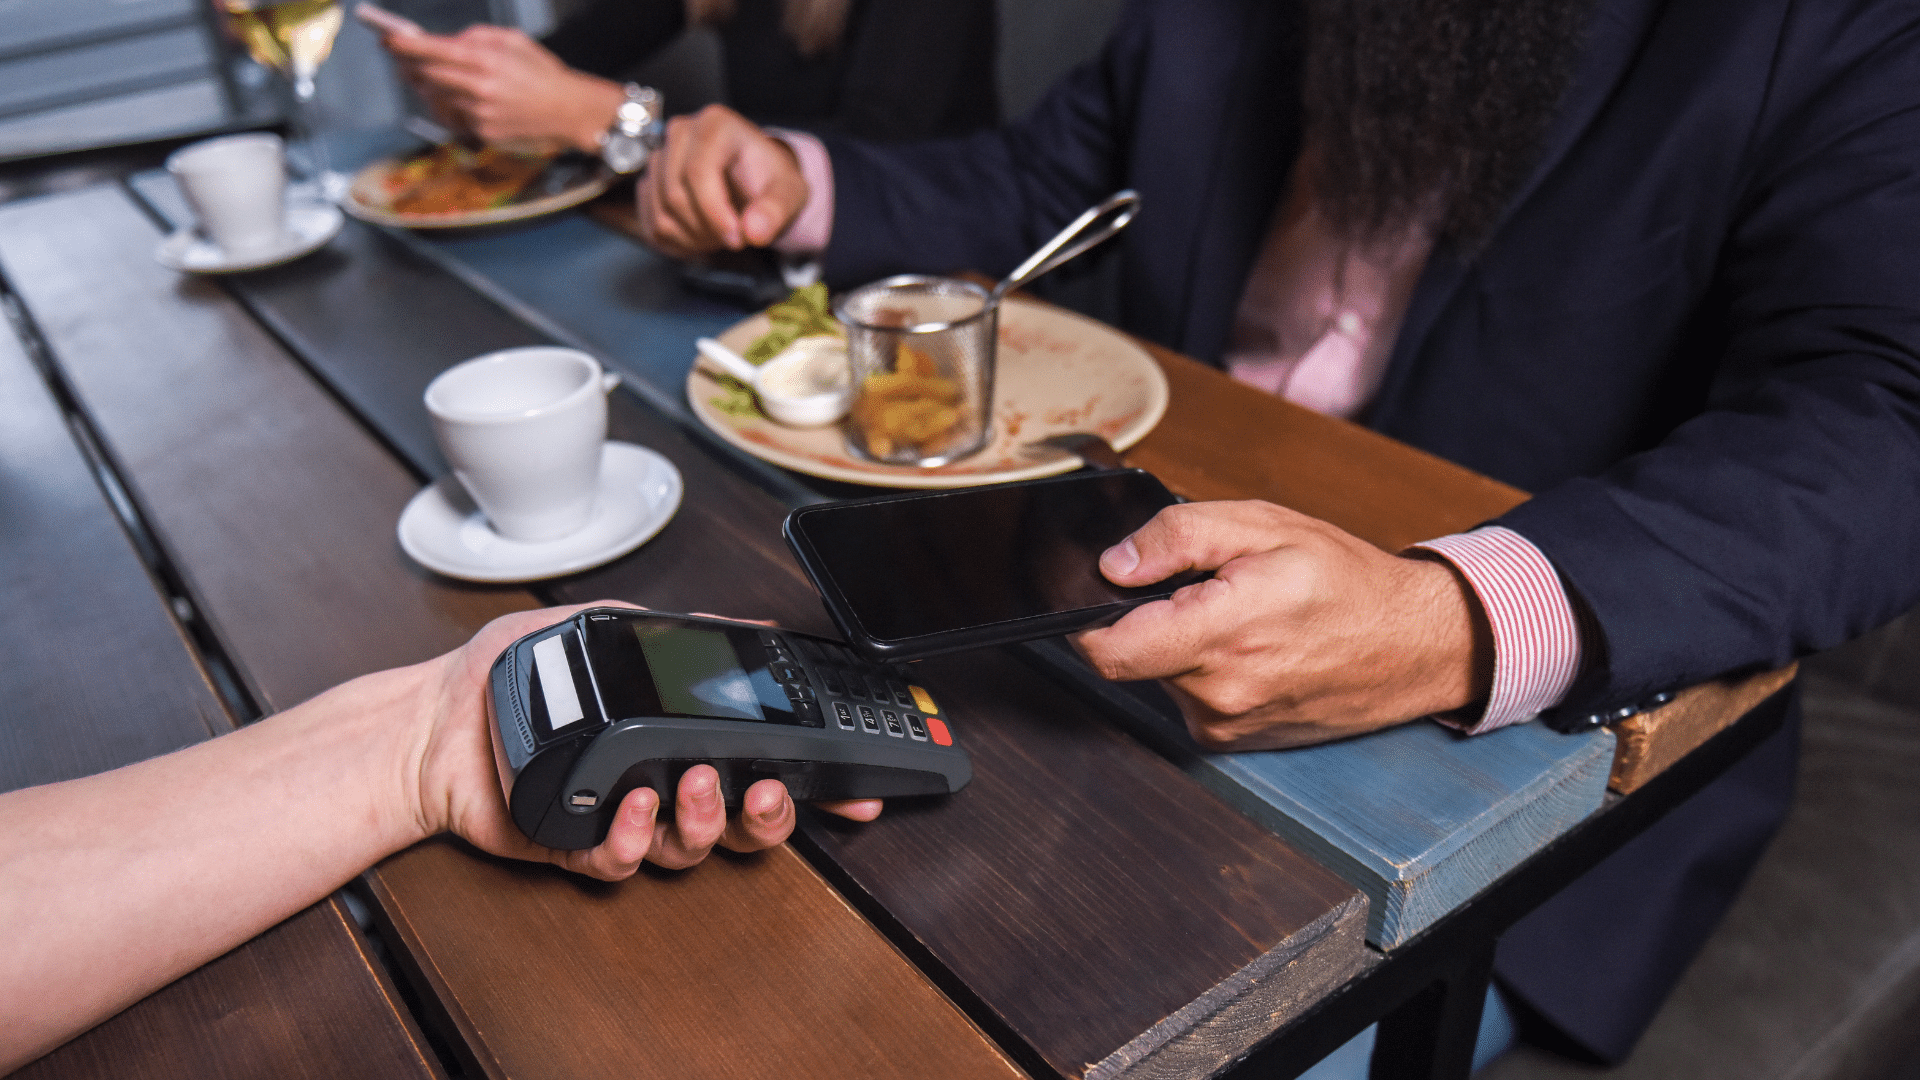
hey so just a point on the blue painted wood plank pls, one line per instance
(1418, 817)
(1422, 818)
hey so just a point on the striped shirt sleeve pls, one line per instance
(812, 227)
(1536, 637)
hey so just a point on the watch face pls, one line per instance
(623, 153)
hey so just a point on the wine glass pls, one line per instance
(294, 37)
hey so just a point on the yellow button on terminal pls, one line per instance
(923, 699)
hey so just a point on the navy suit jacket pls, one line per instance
(1694, 333)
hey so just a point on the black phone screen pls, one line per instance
(915, 567)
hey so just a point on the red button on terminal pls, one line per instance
(938, 729)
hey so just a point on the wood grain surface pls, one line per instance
(280, 510)
(1123, 1008)
(302, 1001)
(1654, 740)
(97, 673)
(1421, 818)
(1221, 439)
(1189, 1001)
(100, 676)
(1092, 896)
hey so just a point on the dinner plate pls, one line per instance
(366, 199)
(309, 227)
(443, 531)
(1058, 372)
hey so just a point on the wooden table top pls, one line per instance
(1083, 909)
(100, 677)
(1062, 933)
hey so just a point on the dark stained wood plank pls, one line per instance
(1211, 983)
(762, 983)
(302, 1001)
(132, 336)
(101, 677)
(97, 673)
(215, 423)
(1103, 906)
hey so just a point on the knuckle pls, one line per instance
(1228, 698)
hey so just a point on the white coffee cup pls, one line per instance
(237, 186)
(523, 430)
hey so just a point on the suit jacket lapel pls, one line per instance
(1614, 39)
(1249, 168)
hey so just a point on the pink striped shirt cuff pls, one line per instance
(813, 226)
(1536, 638)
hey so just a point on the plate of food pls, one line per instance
(451, 186)
(1057, 372)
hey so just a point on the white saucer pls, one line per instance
(443, 531)
(309, 227)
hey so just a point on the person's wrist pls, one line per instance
(1452, 642)
(596, 104)
(407, 721)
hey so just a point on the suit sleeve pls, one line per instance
(920, 68)
(1786, 518)
(607, 37)
(984, 202)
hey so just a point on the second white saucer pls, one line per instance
(309, 227)
(639, 492)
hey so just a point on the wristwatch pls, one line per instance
(639, 125)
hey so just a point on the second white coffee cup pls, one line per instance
(523, 430)
(237, 186)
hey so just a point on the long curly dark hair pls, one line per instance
(1432, 110)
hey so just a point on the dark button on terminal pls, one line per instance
(915, 728)
(808, 714)
(769, 638)
(900, 695)
(856, 686)
(893, 723)
(800, 692)
(831, 679)
(844, 714)
(878, 689)
(868, 720)
(786, 673)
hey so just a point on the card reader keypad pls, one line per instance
(801, 697)
(873, 699)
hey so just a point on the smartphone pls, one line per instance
(911, 576)
(613, 699)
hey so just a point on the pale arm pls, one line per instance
(113, 885)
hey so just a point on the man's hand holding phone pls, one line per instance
(1303, 634)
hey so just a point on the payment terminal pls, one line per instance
(614, 699)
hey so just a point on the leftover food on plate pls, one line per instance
(805, 313)
(454, 179)
(453, 186)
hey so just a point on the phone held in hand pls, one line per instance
(911, 576)
(614, 699)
